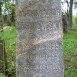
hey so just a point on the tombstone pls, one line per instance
(2, 45)
(39, 39)
(1, 48)
(2, 65)
(65, 23)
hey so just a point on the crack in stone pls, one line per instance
(45, 39)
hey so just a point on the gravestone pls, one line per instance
(39, 38)
(2, 65)
(2, 44)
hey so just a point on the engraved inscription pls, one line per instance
(39, 39)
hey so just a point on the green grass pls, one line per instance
(10, 44)
(9, 37)
(1, 75)
(70, 53)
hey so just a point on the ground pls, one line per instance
(70, 53)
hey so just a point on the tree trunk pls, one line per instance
(70, 14)
(39, 38)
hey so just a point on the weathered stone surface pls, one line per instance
(39, 38)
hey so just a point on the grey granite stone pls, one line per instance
(39, 38)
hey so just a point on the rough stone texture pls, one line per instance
(39, 38)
